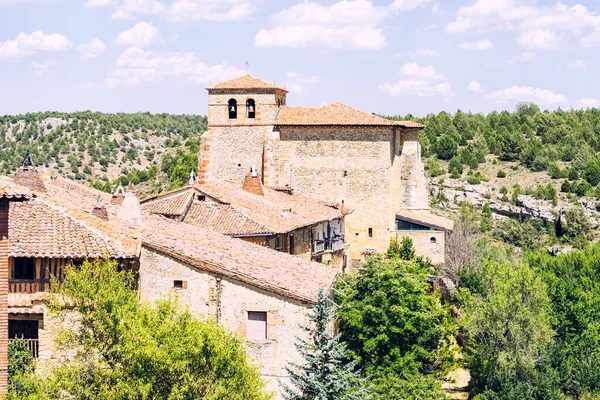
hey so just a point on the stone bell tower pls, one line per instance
(241, 115)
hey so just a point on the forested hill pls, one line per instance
(154, 150)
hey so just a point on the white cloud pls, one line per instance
(539, 39)
(140, 35)
(297, 82)
(430, 27)
(417, 81)
(539, 25)
(28, 44)
(98, 3)
(478, 45)
(40, 69)
(475, 87)
(135, 67)
(579, 63)
(419, 53)
(347, 24)
(92, 49)
(586, 102)
(524, 58)
(407, 5)
(210, 10)
(415, 88)
(436, 8)
(526, 93)
(131, 9)
(592, 40)
(413, 69)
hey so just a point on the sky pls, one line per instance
(389, 56)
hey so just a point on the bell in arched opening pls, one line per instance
(250, 108)
(232, 107)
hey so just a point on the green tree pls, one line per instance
(446, 147)
(592, 173)
(128, 350)
(510, 144)
(507, 320)
(487, 220)
(325, 373)
(394, 325)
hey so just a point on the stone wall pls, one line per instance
(230, 152)
(429, 244)
(357, 165)
(229, 301)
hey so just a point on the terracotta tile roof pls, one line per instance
(172, 205)
(255, 265)
(69, 192)
(279, 211)
(11, 190)
(29, 177)
(245, 82)
(38, 228)
(335, 114)
(425, 217)
(224, 219)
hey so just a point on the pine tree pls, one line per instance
(325, 374)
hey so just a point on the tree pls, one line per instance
(510, 144)
(325, 374)
(128, 350)
(575, 227)
(394, 325)
(446, 147)
(487, 220)
(507, 320)
(592, 172)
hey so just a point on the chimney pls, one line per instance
(130, 210)
(118, 196)
(100, 210)
(252, 183)
(28, 175)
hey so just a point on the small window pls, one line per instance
(232, 108)
(257, 325)
(250, 108)
(277, 243)
(370, 232)
(24, 268)
(433, 240)
(177, 284)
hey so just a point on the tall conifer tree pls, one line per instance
(325, 373)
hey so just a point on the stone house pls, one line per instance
(334, 153)
(274, 217)
(261, 294)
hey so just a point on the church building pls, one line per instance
(334, 153)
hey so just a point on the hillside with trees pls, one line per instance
(157, 151)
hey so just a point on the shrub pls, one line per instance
(446, 147)
(501, 174)
(565, 186)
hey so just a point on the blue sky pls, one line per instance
(389, 57)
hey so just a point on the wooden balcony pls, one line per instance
(33, 344)
(28, 285)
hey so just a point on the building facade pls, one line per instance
(334, 153)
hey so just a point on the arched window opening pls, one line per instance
(250, 108)
(433, 240)
(232, 107)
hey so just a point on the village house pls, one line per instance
(261, 294)
(274, 217)
(334, 153)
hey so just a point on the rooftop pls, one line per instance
(255, 265)
(335, 114)
(38, 228)
(245, 82)
(425, 217)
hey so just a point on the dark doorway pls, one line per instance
(23, 328)
(24, 268)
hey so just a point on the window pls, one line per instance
(178, 284)
(277, 243)
(257, 325)
(24, 268)
(291, 243)
(409, 226)
(370, 232)
(232, 107)
(433, 240)
(250, 108)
